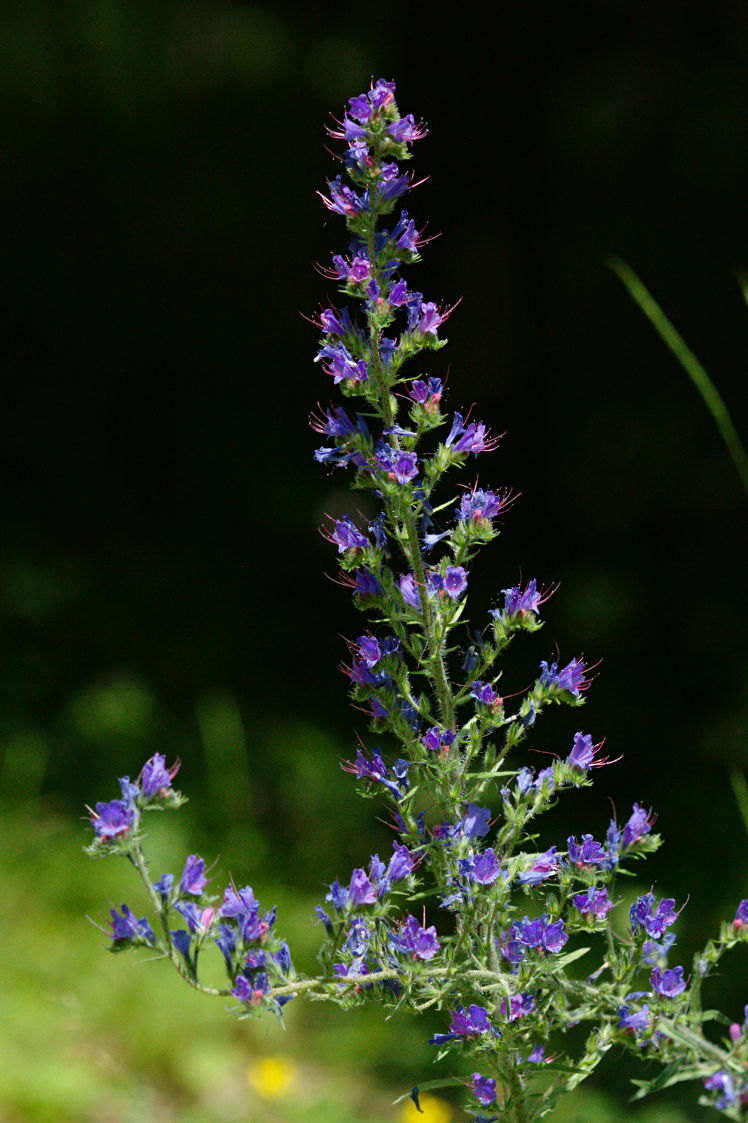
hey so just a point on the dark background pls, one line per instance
(161, 573)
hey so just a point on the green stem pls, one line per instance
(138, 860)
(691, 365)
(407, 516)
(518, 1104)
(435, 646)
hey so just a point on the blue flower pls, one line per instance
(637, 1021)
(654, 918)
(113, 819)
(418, 942)
(582, 756)
(543, 867)
(589, 853)
(723, 1083)
(155, 777)
(127, 929)
(193, 879)
(595, 904)
(472, 1022)
(474, 823)
(483, 1088)
(668, 982)
(517, 1006)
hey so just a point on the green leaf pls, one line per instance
(673, 1074)
(565, 960)
(716, 1016)
(488, 775)
(449, 503)
(428, 1086)
(555, 1066)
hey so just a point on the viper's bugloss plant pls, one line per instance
(512, 941)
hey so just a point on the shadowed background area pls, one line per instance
(161, 575)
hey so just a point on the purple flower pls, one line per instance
(343, 200)
(128, 928)
(398, 294)
(654, 953)
(640, 823)
(518, 600)
(723, 1083)
(350, 131)
(336, 422)
(540, 933)
(242, 906)
(410, 592)
(430, 318)
(347, 536)
(155, 777)
(543, 867)
(360, 108)
(334, 323)
(471, 1021)
(511, 948)
(369, 650)
(365, 584)
(485, 693)
(355, 271)
(637, 1021)
(517, 1006)
(358, 938)
(406, 237)
(374, 768)
(594, 904)
(654, 918)
(251, 992)
(438, 739)
(741, 916)
(338, 362)
(570, 679)
(401, 863)
(669, 982)
(113, 819)
(399, 465)
(474, 823)
(226, 940)
(483, 1088)
(405, 130)
(418, 942)
(471, 438)
(582, 756)
(482, 506)
(130, 792)
(455, 581)
(426, 393)
(466, 1023)
(361, 891)
(392, 186)
(190, 913)
(163, 886)
(193, 879)
(589, 853)
(485, 867)
(382, 93)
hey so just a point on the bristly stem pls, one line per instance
(138, 860)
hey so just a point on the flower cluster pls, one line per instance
(509, 913)
(255, 958)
